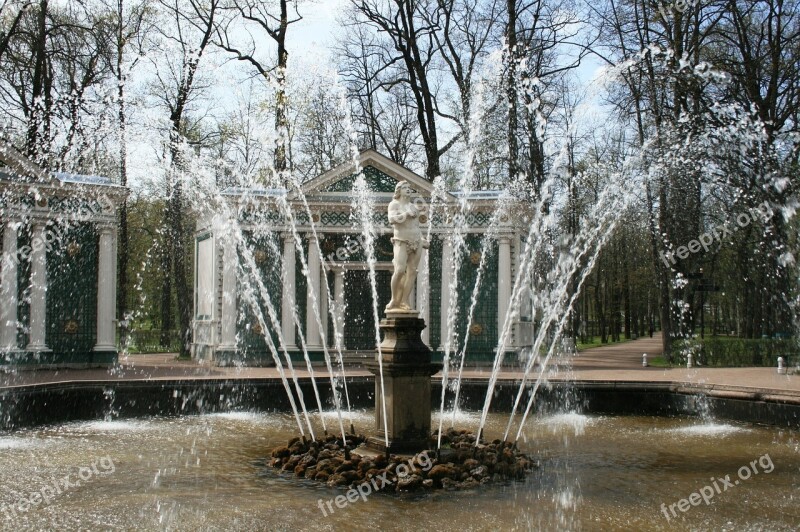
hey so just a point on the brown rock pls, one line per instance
(441, 471)
(346, 466)
(281, 452)
(351, 476)
(337, 480)
(471, 464)
(409, 483)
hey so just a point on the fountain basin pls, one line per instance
(596, 472)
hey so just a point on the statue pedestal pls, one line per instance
(407, 371)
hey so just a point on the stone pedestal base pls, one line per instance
(407, 371)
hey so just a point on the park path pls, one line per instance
(625, 355)
(617, 363)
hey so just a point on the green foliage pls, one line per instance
(726, 351)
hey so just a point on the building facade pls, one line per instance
(257, 288)
(58, 273)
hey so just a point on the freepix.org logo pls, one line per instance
(375, 484)
(718, 486)
(48, 492)
(718, 233)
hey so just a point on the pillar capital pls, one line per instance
(106, 228)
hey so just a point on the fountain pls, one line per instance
(403, 376)
(265, 468)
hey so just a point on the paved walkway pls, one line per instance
(617, 363)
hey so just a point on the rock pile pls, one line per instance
(459, 465)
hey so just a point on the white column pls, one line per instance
(287, 299)
(229, 311)
(106, 289)
(447, 263)
(38, 289)
(423, 296)
(323, 306)
(9, 289)
(504, 279)
(338, 296)
(312, 329)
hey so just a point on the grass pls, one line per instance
(659, 362)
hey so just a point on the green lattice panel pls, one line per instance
(76, 206)
(71, 330)
(478, 219)
(251, 342)
(333, 243)
(377, 181)
(359, 322)
(483, 338)
(24, 292)
(337, 218)
(435, 297)
(300, 288)
(266, 215)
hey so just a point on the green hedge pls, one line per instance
(724, 351)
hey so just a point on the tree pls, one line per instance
(192, 25)
(276, 27)
(406, 55)
(129, 30)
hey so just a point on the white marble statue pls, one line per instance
(404, 215)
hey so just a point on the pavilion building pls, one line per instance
(58, 273)
(231, 310)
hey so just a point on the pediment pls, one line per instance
(380, 172)
(19, 168)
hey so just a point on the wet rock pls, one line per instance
(479, 472)
(337, 480)
(441, 471)
(464, 466)
(281, 452)
(325, 465)
(409, 483)
(291, 463)
(350, 476)
(324, 454)
(346, 466)
(471, 464)
(468, 484)
(449, 484)
(308, 460)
